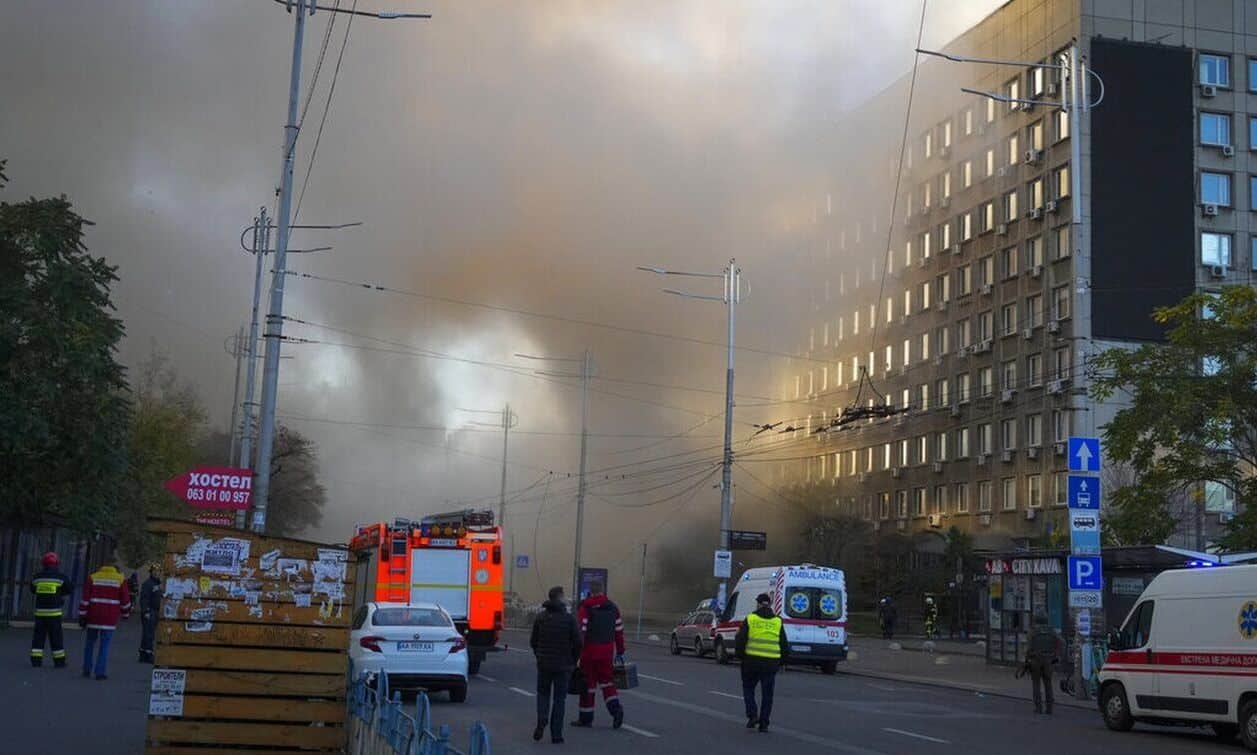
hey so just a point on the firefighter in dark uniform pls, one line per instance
(150, 610)
(1041, 653)
(762, 646)
(50, 588)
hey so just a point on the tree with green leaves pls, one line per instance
(64, 413)
(1189, 416)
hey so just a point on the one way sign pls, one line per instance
(1084, 454)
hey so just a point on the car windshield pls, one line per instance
(813, 603)
(409, 617)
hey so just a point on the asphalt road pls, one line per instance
(685, 705)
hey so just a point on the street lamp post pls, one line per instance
(732, 278)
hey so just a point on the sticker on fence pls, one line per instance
(166, 696)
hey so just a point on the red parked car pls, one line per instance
(695, 632)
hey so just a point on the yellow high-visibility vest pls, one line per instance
(763, 637)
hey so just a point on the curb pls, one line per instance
(942, 684)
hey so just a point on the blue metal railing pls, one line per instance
(380, 725)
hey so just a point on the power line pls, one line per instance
(440, 428)
(327, 106)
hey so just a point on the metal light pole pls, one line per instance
(237, 351)
(732, 277)
(586, 372)
(275, 316)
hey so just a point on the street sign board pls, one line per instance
(723, 564)
(1085, 599)
(215, 518)
(1084, 532)
(1084, 454)
(1085, 573)
(214, 488)
(746, 540)
(1084, 492)
(1083, 624)
(521, 561)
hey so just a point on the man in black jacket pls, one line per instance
(150, 610)
(557, 644)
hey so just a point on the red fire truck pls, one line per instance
(453, 560)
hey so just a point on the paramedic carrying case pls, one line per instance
(625, 675)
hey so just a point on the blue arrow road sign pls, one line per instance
(1084, 492)
(1085, 573)
(1084, 454)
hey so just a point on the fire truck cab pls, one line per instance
(453, 560)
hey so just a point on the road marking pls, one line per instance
(882, 687)
(523, 692)
(486, 677)
(725, 694)
(643, 732)
(827, 743)
(914, 735)
(659, 679)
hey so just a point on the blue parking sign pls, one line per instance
(1084, 454)
(1084, 492)
(1085, 573)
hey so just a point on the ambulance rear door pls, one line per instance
(440, 575)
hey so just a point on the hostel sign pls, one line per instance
(214, 488)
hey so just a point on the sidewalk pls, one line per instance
(47, 711)
(953, 665)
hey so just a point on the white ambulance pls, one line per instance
(1187, 654)
(812, 603)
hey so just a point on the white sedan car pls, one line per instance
(415, 644)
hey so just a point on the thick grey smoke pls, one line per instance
(527, 155)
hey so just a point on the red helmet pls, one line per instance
(51, 560)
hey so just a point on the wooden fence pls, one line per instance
(252, 643)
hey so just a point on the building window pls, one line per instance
(1060, 425)
(964, 280)
(1252, 252)
(1034, 191)
(984, 496)
(987, 217)
(1034, 311)
(1008, 262)
(1060, 177)
(1014, 150)
(966, 174)
(1034, 491)
(928, 143)
(966, 226)
(940, 499)
(1063, 247)
(944, 185)
(1215, 70)
(1009, 498)
(923, 391)
(1252, 193)
(1010, 206)
(1008, 319)
(883, 505)
(963, 392)
(1034, 252)
(1215, 249)
(1252, 74)
(962, 443)
(925, 296)
(1060, 302)
(942, 389)
(1215, 129)
(1062, 125)
(990, 163)
(1061, 371)
(940, 446)
(1008, 434)
(1034, 430)
(1215, 188)
(926, 247)
(1034, 370)
(946, 134)
(987, 269)
(922, 448)
(984, 438)
(901, 504)
(961, 491)
(1008, 375)
(918, 501)
(904, 449)
(966, 120)
(1060, 488)
(990, 111)
(1252, 133)
(1012, 90)
(1034, 136)
(986, 326)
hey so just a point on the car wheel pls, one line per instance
(1248, 725)
(698, 647)
(722, 655)
(458, 694)
(1115, 708)
(674, 646)
(1225, 732)
(829, 667)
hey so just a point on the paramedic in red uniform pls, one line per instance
(106, 598)
(602, 633)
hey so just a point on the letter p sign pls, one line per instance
(1085, 573)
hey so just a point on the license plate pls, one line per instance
(802, 648)
(415, 647)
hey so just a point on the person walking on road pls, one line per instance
(930, 618)
(150, 610)
(557, 644)
(602, 637)
(106, 598)
(50, 588)
(1041, 653)
(886, 616)
(762, 646)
